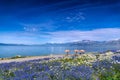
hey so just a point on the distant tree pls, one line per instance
(76, 52)
(67, 52)
(81, 51)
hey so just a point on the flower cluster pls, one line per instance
(62, 69)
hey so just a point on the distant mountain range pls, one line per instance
(78, 43)
(87, 45)
(5, 44)
(87, 42)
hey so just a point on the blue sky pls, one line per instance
(58, 21)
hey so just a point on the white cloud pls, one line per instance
(60, 36)
(22, 38)
(98, 34)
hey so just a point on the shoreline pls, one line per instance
(29, 58)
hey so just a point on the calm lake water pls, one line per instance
(10, 51)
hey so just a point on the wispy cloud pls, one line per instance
(39, 27)
(75, 17)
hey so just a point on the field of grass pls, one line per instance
(81, 67)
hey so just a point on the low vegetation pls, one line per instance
(80, 67)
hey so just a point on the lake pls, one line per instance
(10, 51)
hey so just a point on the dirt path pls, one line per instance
(29, 58)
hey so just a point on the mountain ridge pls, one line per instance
(86, 42)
